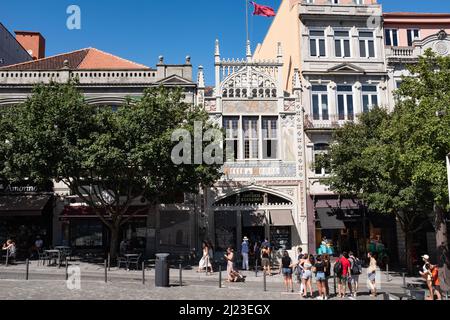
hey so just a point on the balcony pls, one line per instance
(333, 122)
(402, 54)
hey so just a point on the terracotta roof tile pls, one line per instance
(84, 59)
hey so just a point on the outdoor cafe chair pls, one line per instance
(135, 261)
(122, 260)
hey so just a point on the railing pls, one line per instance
(330, 122)
(402, 53)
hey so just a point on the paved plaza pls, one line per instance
(48, 283)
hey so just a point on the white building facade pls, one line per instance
(262, 192)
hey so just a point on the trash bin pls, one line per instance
(162, 270)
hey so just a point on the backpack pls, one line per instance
(356, 266)
(338, 268)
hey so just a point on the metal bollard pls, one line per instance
(109, 262)
(106, 271)
(143, 272)
(67, 270)
(7, 256)
(387, 273)
(181, 275)
(28, 269)
(256, 268)
(265, 282)
(220, 276)
(207, 265)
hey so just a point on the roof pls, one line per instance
(415, 14)
(83, 59)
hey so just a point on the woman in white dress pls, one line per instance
(205, 261)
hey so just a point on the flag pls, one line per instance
(264, 11)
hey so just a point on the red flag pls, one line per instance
(264, 11)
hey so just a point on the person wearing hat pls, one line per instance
(427, 275)
(244, 252)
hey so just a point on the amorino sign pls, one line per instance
(22, 187)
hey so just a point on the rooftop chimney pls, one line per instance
(33, 42)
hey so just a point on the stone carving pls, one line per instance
(442, 35)
(442, 48)
(289, 106)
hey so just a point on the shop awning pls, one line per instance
(23, 205)
(281, 218)
(328, 220)
(254, 219)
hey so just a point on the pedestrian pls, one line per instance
(372, 274)
(299, 267)
(244, 253)
(229, 257)
(343, 273)
(123, 247)
(355, 271)
(286, 269)
(10, 247)
(205, 262)
(427, 274)
(327, 264)
(319, 270)
(436, 282)
(37, 247)
(265, 260)
(307, 276)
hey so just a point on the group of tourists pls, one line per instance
(347, 268)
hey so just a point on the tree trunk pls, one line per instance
(114, 241)
(409, 250)
(442, 246)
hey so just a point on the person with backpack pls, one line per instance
(355, 272)
(342, 271)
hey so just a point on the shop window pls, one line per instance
(86, 233)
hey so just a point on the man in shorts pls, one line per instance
(345, 274)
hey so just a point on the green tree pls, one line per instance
(107, 158)
(396, 162)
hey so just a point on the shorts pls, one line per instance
(320, 276)
(372, 276)
(265, 262)
(343, 279)
(287, 271)
(307, 274)
(354, 278)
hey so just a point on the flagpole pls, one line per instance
(246, 21)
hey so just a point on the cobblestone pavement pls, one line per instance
(48, 283)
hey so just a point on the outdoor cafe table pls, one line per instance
(53, 254)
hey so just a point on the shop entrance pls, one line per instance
(254, 234)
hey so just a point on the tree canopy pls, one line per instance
(108, 157)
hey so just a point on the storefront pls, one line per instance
(146, 232)
(345, 225)
(26, 212)
(256, 215)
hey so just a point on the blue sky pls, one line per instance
(141, 30)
